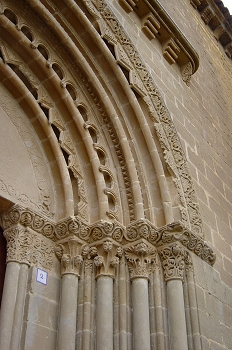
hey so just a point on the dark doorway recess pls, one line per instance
(2, 262)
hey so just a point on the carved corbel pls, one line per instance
(170, 50)
(195, 3)
(173, 261)
(150, 26)
(140, 257)
(207, 15)
(107, 258)
(69, 253)
(128, 5)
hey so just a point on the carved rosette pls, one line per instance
(69, 253)
(173, 261)
(140, 258)
(107, 258)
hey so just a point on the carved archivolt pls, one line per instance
(170, 142)
(140, 81)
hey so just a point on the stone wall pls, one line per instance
(99, 191)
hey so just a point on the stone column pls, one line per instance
(19, 245)
(106, 262)
(69, 254)
(173, 261)
(140, 257)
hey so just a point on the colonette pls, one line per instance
(116, 262)
(112, 214)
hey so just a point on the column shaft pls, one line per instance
(104, 313)
(176, 314)
(19, 307)
(8, 304)
(141, 326)
(68, 312)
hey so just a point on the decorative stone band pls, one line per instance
(173, 261)
(103, 231)
(140, 256)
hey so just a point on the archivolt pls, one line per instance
(104, 101)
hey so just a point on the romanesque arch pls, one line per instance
(102, 181)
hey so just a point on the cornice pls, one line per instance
(217, 17)
(157, 24)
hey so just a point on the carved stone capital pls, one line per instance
(173, 261)
(140, 257)
(69, 253)
(107, 258)
(27, 247)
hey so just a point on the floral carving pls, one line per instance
(140, 257)
(107, 258)
(69, 253)
(25, 246)
(173, 261)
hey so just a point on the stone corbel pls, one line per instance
(217, 20)
(128, 5)
(156, 23)
(207, 15)
(150, 26)
(195, 3)
(170, 50)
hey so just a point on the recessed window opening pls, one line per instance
(2, 262)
